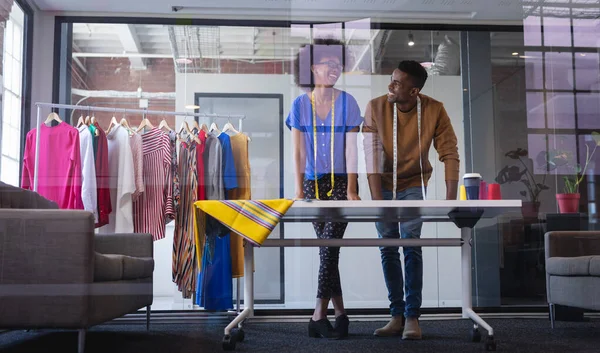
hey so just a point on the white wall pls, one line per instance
(360, 268)
(42, 65)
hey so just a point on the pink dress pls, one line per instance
(59, 167)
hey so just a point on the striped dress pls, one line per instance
(155, 204)
(184, 250)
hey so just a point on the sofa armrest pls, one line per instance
(131, 244)
(572, 243)
(46, 247)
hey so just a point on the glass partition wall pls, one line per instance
(500, 90)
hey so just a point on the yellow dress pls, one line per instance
(239, 145)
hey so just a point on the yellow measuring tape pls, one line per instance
(314, 113)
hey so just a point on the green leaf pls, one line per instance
(596, 137)
(522, 152)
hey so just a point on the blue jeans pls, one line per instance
(413, 260)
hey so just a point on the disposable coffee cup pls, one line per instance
(472, 181)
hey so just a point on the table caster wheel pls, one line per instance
(490, 344)
(228, 343)
(240, 335)
(475, 335)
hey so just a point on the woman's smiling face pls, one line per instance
(327, 71)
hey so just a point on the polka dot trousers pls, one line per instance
(329, 275)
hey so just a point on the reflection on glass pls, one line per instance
(562, 148)
(589, 151)
(534, 70)
(587, 71)
(532, 28)
(586, 32)
(588, 108)
(557, 31)
(535, 110)
(536, 144)
(559, 70)
(561, 110)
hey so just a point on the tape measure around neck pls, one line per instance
(315, 144)
(395, 137)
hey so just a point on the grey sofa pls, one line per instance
(56, 273)
(573, 270)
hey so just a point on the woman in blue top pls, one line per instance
(324, 123)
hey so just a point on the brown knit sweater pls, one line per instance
(378, 131)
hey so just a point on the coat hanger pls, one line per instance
(113, 123)
(186, 128)
(87, 120)
(124, 123)
(228, 126)
(81, 121)
(144, 124)
(214, 128)
(204, 128)
(163, 124)
(52, 116)
(195, 125)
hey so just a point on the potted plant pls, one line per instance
(514, 173)
(568, 202)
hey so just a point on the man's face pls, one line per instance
(401, 89)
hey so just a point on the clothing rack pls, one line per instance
(144, 112)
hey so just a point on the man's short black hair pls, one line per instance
(416, 71)
(311, 54)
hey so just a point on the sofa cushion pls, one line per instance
(114, 267)
(595, 266)
(574, 266)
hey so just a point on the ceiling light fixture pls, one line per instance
(515, 53)
(183, 60)
(581, 54)
(411, 39)
(192, 107)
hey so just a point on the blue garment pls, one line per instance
(228, 164)
(214, 289)
(215, 284)
(347, 117)
(413, 260)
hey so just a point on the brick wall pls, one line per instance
(115, 74)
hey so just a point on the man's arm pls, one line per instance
(373, 151)
(446, 144)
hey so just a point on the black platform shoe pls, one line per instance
(322, 328)
(341, 325)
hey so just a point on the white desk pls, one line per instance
(465, 214)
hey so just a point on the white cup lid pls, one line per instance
(472, 175)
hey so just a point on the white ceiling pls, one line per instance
(463, 11)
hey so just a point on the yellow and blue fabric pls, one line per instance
(252, 219)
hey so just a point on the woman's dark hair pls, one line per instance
(310, 54)
(416, 71)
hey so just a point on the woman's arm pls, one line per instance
(352, 164)
(299, 161)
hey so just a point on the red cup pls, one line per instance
(483, 191)
(494, 192)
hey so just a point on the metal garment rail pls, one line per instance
(144, 112)
(115, 110)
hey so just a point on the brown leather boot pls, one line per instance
(393, 328)
(412, 331)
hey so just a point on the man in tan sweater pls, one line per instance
(420, 121)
